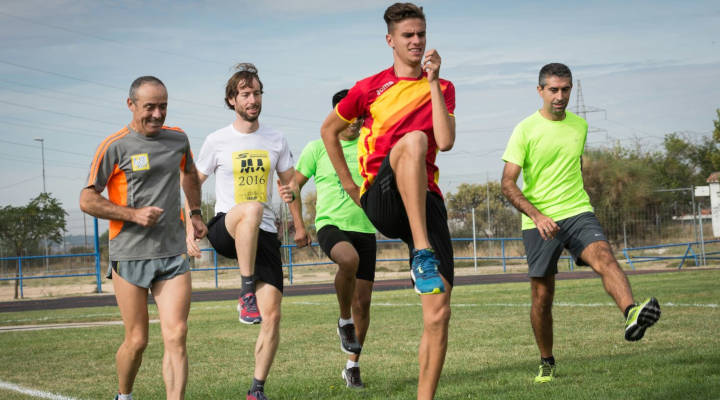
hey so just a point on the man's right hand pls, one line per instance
(193, 249)
(147, 216)
(546, 226)
(354, 193)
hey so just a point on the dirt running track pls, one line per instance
(295, 290)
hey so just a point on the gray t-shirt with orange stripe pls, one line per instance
(140, 171)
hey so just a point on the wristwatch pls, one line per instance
(196, 211)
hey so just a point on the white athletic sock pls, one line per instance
(351, 364)
(343, 322)
(125, 396)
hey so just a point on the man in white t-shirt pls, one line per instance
(244, 157)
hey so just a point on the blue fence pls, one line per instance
(20, 277)
(688, 253)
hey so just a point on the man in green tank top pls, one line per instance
(556, 212)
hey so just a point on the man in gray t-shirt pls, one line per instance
(143, 167)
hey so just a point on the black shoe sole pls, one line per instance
(649, 315)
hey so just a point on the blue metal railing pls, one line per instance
(689, 253)
(20, 277)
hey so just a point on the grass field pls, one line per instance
(492, 354)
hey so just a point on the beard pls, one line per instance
(245, 116)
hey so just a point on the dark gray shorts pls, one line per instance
(144, 273)
(575, 234)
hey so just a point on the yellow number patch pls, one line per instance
(140, 162)
(250, 175)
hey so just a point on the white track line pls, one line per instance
(32, 392)
(559, 304)
(63, 326)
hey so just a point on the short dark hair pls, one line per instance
(553, 69)
(244, 74)
(339, 96)
(141, 81)
(400, 12)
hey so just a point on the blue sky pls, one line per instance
(65, 66)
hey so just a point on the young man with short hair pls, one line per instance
(143, 167)
(407, 111)
(556, 212)
(347, 237)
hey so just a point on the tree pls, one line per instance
(23, 227)
(309, 210)
(504, 220)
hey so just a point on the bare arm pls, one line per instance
(290, 193)
(96, 205)
(330, 132)
(197, 229)
(443, 123)
(546, 226)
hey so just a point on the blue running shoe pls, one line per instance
(424, 272)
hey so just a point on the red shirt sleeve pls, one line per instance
(353, 105)
(450, 98)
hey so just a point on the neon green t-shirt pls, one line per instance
(549, 153)
(334, 206)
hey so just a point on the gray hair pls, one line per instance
(141, 81)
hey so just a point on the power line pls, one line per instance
(56, 112)
(19, 183)
(46, 148)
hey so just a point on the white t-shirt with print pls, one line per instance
(244, 165)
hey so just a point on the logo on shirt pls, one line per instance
(140, 162)
(384, 87)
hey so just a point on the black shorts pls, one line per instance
(364, 243)
(385, 209)
(575, 234)
(268, 262)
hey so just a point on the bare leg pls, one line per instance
(347, 259)
(600, 257)
(361, 311)
(433, 343)
(543, 293)
(269, 301)
(407, 160)
(242, 223)
(173, 301)
(132, 301)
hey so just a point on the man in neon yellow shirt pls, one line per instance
(547, 146)
(347, 237)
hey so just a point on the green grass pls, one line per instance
(492, 353)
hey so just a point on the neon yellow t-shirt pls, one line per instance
(549, 153)
(334, 206)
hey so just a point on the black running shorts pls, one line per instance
(268, 262)
(385, 209)
(364, 243)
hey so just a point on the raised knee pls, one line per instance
(348, 261)
(248, 210)
(416, 141)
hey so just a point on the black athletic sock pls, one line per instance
(248, 285)
(550, 360)
(257, 385)
(627, 310)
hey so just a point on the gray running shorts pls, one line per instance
(575, 234)
(144, 273)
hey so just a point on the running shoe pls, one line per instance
(352, 378)
(256, 395)
(348, 341)
(425, 276)
(640, 318)
(247, 307)
(546, 373)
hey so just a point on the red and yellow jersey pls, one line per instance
(392, 107)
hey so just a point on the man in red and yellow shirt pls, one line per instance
(408, 117)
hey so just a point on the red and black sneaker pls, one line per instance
(247, 307)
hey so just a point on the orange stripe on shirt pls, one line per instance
(100, 153)
(117, 194)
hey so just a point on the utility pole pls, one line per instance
(582, 110)
(42, 150)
